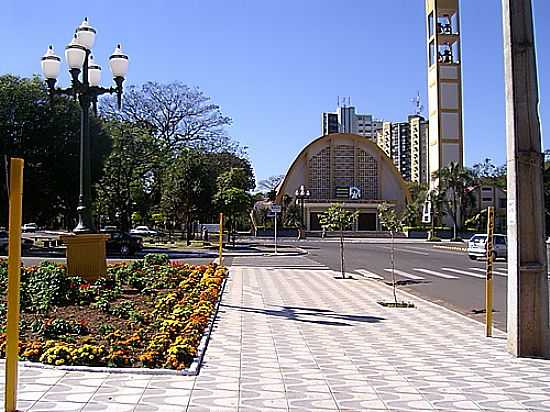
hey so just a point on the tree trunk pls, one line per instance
(454, 230)
(188, 230)
(342, 254)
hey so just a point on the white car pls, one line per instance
(29, 227)
(477, 246)
(143, 230)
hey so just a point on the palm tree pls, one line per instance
(454, 180)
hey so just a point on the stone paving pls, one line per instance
(290, 336)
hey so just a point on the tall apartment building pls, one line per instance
(346, 120)
(406, 143)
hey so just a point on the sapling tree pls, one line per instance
(336, 218)
(393, 221)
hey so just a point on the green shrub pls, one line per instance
(156, 259)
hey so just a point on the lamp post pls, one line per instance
(301, 195)
(78, 55)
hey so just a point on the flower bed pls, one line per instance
(148, 313)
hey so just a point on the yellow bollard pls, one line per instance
(14, 280)
(221, 239)
(489, 272)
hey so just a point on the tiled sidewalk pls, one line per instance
(298, 339)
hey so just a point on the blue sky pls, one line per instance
(274, 66)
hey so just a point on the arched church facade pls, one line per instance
(347, 169)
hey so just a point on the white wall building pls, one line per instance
(346, 120)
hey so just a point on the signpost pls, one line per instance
(489, 272)
(14, 281)
(427, 212)
(275, 209)
(220, 241)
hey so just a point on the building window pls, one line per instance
(319, 174)
(367, 174)
(431, 24)
(487, 199)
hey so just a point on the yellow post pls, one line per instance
(221, 239)
(489, 272)
(14, 273)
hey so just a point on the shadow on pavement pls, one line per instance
(300, 314)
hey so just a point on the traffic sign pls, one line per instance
(427, 212)
(276, 208)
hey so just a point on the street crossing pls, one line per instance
(434, 273)
(404, 274)
(416, 273)
(496, 272)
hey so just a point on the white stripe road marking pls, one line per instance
(405, 274)
(408, 250)
(496, 272)
(368, 274)
(405, 250)
(463, 272)
(434, 273)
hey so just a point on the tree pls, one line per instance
(269, 185)
(127, 172)
(419, 193)
(47, 136)
(234, 203)
(185, 189)
(454, 183)
(336, 218)
(236, 177)
(178, 115)
(393, 222)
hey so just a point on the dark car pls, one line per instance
(26, 244)
(123, 243)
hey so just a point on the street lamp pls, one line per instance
(78, 55)
(301, 195)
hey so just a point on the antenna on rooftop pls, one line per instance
(418, 106)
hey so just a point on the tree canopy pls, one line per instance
(47, 136)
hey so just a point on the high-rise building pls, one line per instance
(444, 84)
(345, 120)
(419, 149)
(406, 143)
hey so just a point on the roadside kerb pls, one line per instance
(451, 247)
(417, 298)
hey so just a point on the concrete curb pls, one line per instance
(443, 308)
(192, 370)
(455, 248)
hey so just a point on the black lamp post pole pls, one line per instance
(85, 222)
(302, 211)
(86, 95)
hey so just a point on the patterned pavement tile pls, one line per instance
(210, 398)
(109, 407)
(301, 340)
(45, 406)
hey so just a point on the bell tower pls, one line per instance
(446, 142)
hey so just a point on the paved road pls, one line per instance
(442, 276)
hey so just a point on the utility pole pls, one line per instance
(527, 277)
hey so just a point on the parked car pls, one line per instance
(29, 227)
(143, 230)
(123, 243)
(109, 229)
(477, 246)
(25, 243)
